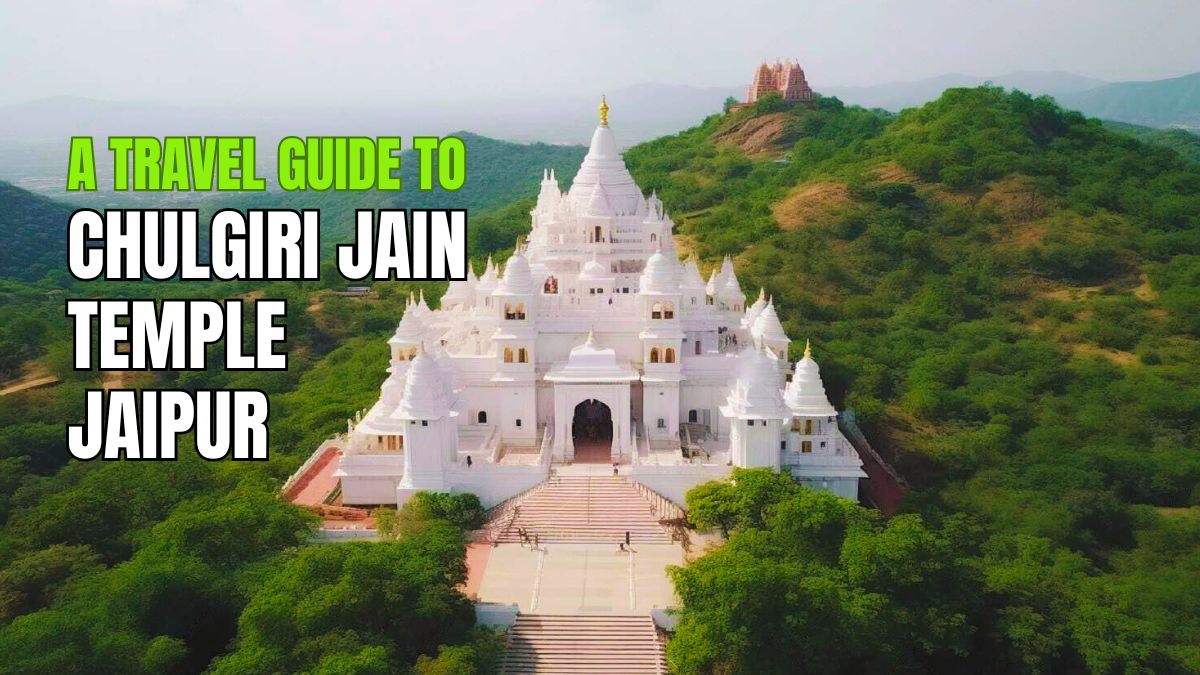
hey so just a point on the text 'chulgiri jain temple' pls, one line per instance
(596, 344)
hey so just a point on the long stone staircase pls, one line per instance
(582, 510)
(550, 643)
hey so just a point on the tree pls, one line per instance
(327, 600)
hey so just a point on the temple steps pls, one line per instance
(586, 510)
(551, 643)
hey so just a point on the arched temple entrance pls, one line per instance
(592, 432)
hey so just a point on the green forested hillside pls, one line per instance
(498, 172)
(1186, 143)
(34, 231)
(35, 228)
(177, 567)
(1007, 293)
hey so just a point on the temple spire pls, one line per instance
(603, 111)
(807, 348)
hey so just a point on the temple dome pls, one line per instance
(488, 281)
(589, 362)
(410, 330)
(767, 326)
(731, 292)
(718, 278)
(756, 392)
(426, 396)
(806, 392)
(754, 310)
(460, 292)
(592, 270)
(691, 276)
(518, 278)
(660, 275)
(602, 167)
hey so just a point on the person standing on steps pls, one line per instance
(627, 542)
(469, 461)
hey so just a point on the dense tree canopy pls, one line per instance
(1005, 292)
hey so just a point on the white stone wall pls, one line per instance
(673, 482)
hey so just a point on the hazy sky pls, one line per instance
(272, 51)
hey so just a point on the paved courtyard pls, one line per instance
(579, 578)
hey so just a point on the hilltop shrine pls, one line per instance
(783, 77)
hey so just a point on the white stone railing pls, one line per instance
(547, 450)
(661, 507)
(493, 442)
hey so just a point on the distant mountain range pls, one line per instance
(33, 135)
(896, 96)
(1173, 102)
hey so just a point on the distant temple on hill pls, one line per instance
(784, 77)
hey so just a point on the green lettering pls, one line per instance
(320, 172)
(361, 158)
(425, 145)
(227, 163)
(291, 164)
(452, 163)
(120, 147)
(250, 179)
(146, 153)
(203, 155)
(388, 155)
(81, 167)
(175, 164)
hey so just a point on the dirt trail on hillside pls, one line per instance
(761, 135)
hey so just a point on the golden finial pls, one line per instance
(807, 348)
(603, 111)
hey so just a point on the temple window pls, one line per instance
(693, 416)
(806, 446)
(482, 417)
(669, 311)
(656, 311)
(653, 237)
(518, 421)
(514, 312)
(699, 348)
(508, 355)
(522, 355)
(796, 427)
(599, 235)
(670, 355)
(808, 426)
(654, 355)
(662, 423)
